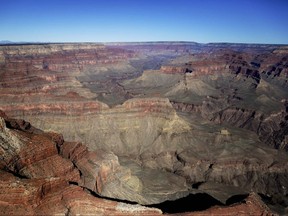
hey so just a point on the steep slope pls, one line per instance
(227, 87)
(35, 176)
(32, 184)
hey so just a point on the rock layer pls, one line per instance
(46, 188)
(44, 175)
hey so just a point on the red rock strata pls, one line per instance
(44, 164)
(53, 196)
(42, 78)
(42, 186)
(173, 69)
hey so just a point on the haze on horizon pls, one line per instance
(246, 21)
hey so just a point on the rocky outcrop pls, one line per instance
(40, 175)
(247, 91)
(206, 67)
(278, 69)
(174, 147)
(175, 69)
(39, 155)
(48, 78)
(60, 108)
(53, 196)
(271, 129)
(49, 56)
(37, 170)
(31, 154)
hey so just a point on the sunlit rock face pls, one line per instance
(33, 184)
(40, 170)
(159, 121)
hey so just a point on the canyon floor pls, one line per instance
(144, 129)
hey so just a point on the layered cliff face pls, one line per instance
(160, 121)
(43, 174)
(39, 74)
(255, 98)
(227, 87)
(40, 175)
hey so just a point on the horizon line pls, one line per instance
(7, 42)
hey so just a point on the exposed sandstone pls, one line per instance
(51, 196)
(174, 69)
(37, 74)
(101, 172)
(33, 155)
(47, 190)
(271, 129)
(45, 175)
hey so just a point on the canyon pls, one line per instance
(144, 128)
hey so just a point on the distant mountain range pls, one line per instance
(4, 42)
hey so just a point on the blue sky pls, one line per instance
(244, 21)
